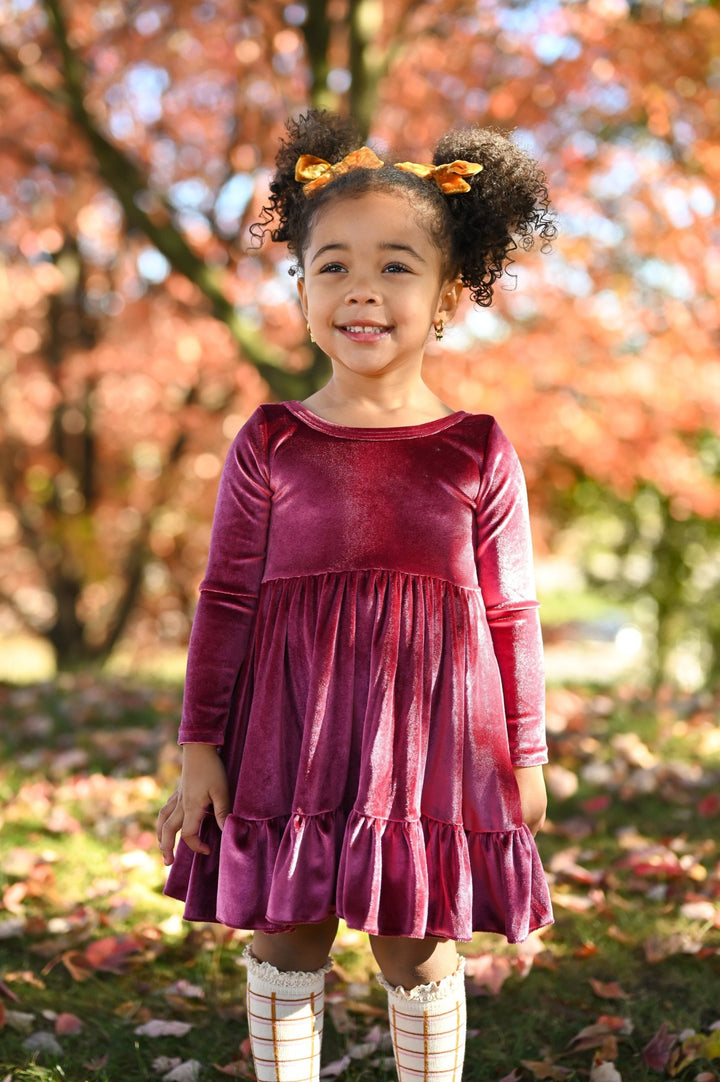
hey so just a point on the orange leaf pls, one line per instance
(76, 964)
(607, 989)
(111, 954)
(237, 1069)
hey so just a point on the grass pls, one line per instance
(632, 851)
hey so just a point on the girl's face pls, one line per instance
(373, 284)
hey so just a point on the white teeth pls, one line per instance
(365, 330)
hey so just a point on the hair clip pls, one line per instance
(448, 177)
(314, 173)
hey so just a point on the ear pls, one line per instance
(302, 293)
(449, 298)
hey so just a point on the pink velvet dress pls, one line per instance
(367, 656)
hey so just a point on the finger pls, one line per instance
(190, 833)
(164, 814)
(172, 825)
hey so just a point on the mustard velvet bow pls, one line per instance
(314, 173)
(448, 177)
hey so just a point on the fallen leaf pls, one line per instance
(487, 973)
(161, 1027)
(597, 804)
(76, 964)
(362, 1050)
(8, 992)
(14, 926)
(512, 1077)
(711, 1049)
(576, 903)
(709, 805)
(585, 950)
(604, 1071)
(239, 1068)
(700, 910)
(542, 1069)
(97, 1064)
(594, 1036)
(19, 1020)
(656, 1052)
(189, 1071)
(565, 863)
(42, 1042)
(658, 948)
(185, 990)
(607, 989)
(332, 1070)
(616, 1024)
(111, 954)
(67, 1025)
(163, 1064)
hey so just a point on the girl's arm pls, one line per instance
(229, 591)
(221, 629)
(505, 573)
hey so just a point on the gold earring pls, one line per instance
(311, 334)
(439, 327)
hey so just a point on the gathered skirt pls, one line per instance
(369, 769)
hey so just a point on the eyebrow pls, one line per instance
(386, 246)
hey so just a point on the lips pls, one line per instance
(364, 332)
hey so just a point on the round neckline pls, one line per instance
(392, 432)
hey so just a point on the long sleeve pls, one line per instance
(505, 572)
(229, 590)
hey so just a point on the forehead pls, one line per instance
(373, 216)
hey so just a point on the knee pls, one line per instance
(407, 963)
(303, 950)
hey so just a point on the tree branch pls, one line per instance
(129, 185)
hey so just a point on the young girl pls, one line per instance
(362, 728)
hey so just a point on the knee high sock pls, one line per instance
(427, 1025)
(285, 1016)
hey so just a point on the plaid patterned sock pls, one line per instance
(428, 1028)
(285, 1016)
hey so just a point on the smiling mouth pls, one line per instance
(364, 329)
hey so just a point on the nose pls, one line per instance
(361, 291)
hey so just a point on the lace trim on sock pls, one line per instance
(429, 993)
(296, 981)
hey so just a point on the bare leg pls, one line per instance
(426, 1003)
(409, 962)
(304, 949)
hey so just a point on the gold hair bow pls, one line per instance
(448, 177)
(314, 173)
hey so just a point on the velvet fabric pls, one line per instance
(366, 655)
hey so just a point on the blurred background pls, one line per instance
(139, 330)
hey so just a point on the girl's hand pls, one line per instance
(533, 795)
(203, 783)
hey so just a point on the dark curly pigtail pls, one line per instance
(507, 204)
(317, 132)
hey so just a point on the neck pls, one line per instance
(376, 395)
(366, 402)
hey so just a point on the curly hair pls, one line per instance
(476, 232)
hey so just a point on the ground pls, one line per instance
(102, 980)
